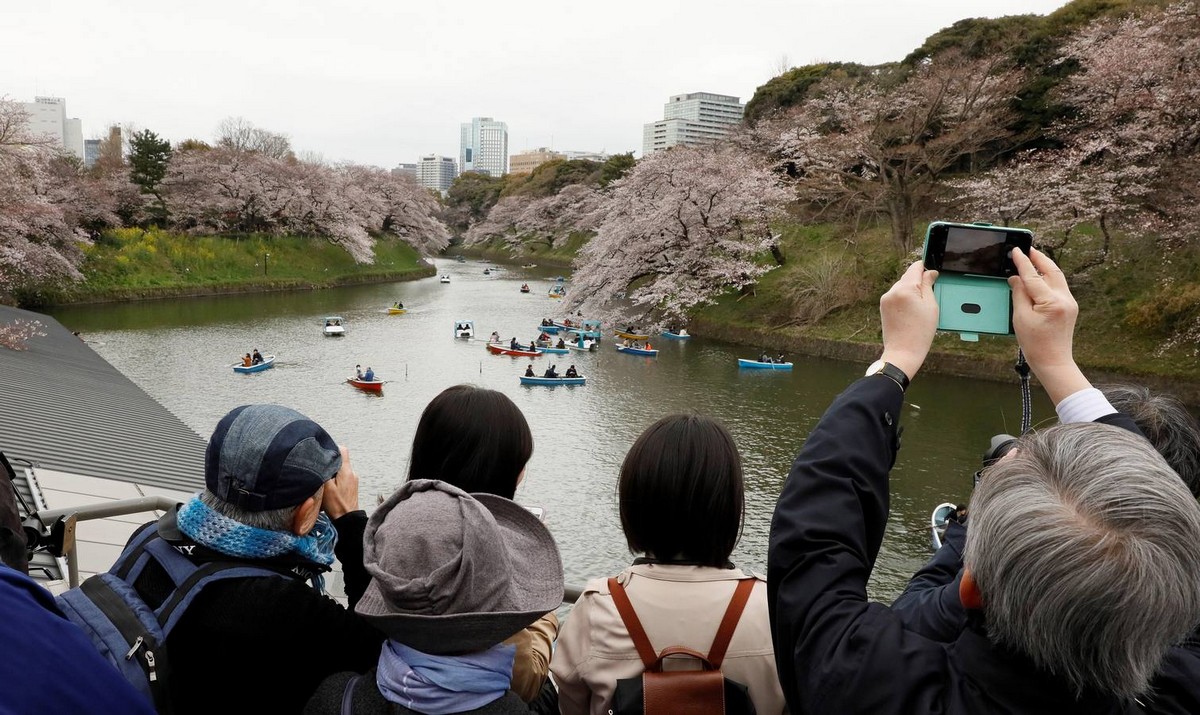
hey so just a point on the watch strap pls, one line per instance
(896, 374)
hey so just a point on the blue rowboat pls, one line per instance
(552, 381)
(675, 336)
(637, 351)
(743, 362)
(556, 351)
(267, 363)
(549, 329)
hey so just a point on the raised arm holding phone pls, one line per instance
(1054, 624)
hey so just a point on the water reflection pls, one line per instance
(181, 351)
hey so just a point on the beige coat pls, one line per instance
(677, 605)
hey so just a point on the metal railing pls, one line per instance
(70, 516)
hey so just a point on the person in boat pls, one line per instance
(495, 337)
(543, 336)
(1035, 582)
(398, 305)
(368, 375)
(513, 344)
(529, 371)
(680, 493)
(763, 357)
(257, 357)
(358, 372)
(279, 493)
(446, 652)
(561, 344)
(551, 371)
(479, 441)
(247, 360)
(571, 372)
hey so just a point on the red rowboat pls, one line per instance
(366, 385)
(502, 349)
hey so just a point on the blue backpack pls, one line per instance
(124, 628)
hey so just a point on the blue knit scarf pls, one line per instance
(443, 684)
(220, 533)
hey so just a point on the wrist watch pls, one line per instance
(879, 367)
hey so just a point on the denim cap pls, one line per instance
(455, 573)
(264, 457)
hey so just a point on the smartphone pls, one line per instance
(974, 249)
(974, 262)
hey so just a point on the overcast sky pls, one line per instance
(384, 81)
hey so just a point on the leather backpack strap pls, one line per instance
(729, 623)
(640, 640)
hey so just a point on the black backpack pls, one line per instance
(681, 692)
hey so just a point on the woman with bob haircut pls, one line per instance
(479, 441)
(681, 499)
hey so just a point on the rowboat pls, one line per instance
(743, 362)
(552, 381)
(631, 336)
(375, 385)
(556, 351)
(397, 311)
(637, 351)
(502, 349)
(267, 363)
(681, 335)
(549, 329)
(464, 328)
(582, 345)
(445, 278)
(335, 327)
(525, 289)
(557, 292)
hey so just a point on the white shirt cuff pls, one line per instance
(1087, 405)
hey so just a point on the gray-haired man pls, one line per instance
(1075, 587)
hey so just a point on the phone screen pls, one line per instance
(977, 251)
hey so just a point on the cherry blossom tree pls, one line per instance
(38, 241)
(519, 220)
(685, 225)
(882, 148)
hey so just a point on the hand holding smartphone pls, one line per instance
(974, 262)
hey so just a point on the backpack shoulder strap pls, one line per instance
(348, 695)
(729, 623)
(640, 640)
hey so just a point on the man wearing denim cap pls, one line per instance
(279, 495)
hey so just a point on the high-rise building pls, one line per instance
(91, 152)
(693, 118)
(526, 161)
(484, 147)
(48, 118)
(436, 172)
(405, 170)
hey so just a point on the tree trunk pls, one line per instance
(777, 254)
(901, 213)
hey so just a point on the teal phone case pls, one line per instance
(970, 305)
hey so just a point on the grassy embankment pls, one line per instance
(131, 264)
(825, 268)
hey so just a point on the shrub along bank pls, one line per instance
(131, 264)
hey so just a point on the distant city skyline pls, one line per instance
(373, 83)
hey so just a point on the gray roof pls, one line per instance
(63, 407)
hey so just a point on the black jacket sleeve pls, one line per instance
(930, 604)
(349, 551)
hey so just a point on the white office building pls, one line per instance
(484, 147)
(694, 118)
(48, 118)
(436, 172)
